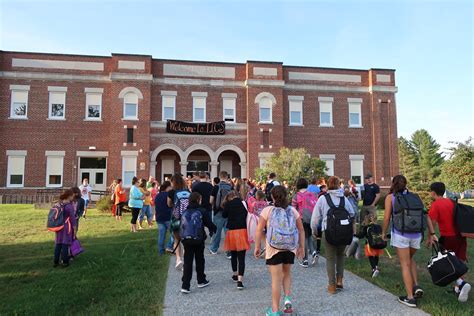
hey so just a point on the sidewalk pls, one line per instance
(310, 297)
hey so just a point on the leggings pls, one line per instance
(118, 211)
(374, 262)
(135, 212)
(238, 258)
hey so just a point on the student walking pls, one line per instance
(441, 213)
(120, 199)
(163, 215)
(304, 201)
(112, 197)
(272, 182)
(78, 203)
(338, 233)
(86, 194)
(135, 202)
(146, 209)
(204, 188)
(367, 230)
(65, 236)
(282, 245)
(236, 239)
(371, 194)
(193, 220)
(217, 197)
(406, 243)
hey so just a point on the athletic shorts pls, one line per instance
(399, 241)
(282, 257)
(456, 244)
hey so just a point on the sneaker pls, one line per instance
(235, 278)
(212, 252)
(315, 258)
(170, 250)
(240, 285)
(203, 284)
(418, 291)
(304, 263)
(179, 265)
(288, 306)
(185, 291)
(269, 312)
(408, 302)
(465, 288)
(375, 273)
(228, 255)
(262, 253)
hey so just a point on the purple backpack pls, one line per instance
(282, 233)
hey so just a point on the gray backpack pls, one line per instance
(408, 214)
(224, 189)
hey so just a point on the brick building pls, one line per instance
(66, 117)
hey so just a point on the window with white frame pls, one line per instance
(19, 101)
(54, 169)
(168, 99)
(16, 168)
(228, 107)
(355, 116)
(295, 110)
(129, 169)
(94, 104)
(130, 106)
(329, 160)
(325, 111)
(265, 110)
(199, 107)
(357, 168)
(57, 103)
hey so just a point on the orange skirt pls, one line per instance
(371, 252)
(236, 240)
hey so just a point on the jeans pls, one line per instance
(220, 222)
(191, 253)
(309, 241)
(162, 229)
(62, 249)
(334, 261)
(146, 211)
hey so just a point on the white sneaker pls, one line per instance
(315, 258)
(185, 291)
(375, 273)
(179, 265)
(212, 252)
(464, 293)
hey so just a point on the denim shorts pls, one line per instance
(86, 203)
(146, 211)
(399, 241)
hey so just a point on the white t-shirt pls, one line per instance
(85, 191)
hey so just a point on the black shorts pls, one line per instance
(283, 257)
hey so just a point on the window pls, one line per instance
(199, 107)
(357, 168)
(54, 169)
(329, 160)
(296, 110)
(93, 105)
(228, 107)
(325, 114)
(265, 110)
(355, 117)
(130, 106)
(19, 101)
(16, 168)
(129, 169)
(57, 103)
(130, 135)
(169, 107)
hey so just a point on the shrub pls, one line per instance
(426, 198)
(104, 204)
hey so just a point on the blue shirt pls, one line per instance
(135, 200)
(163, 211)
(313, 188)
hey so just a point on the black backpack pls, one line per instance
(408, 214)
(268, 189)
(464, 219)
(445, 267)
(339, 230)
(375, 238)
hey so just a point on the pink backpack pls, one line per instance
(305, 202)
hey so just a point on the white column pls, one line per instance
(184, 167)
(153, 168)
(214, 165)
(243, 169)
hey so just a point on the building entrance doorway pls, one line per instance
(95, 170)
(197, 166)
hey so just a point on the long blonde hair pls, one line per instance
(229, 197)
(369, 219)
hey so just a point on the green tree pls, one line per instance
(291, 164)
(458, 172)
(408, 160)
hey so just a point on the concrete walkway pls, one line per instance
(310, 297)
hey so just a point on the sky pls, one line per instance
(429, 43)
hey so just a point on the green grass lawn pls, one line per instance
(435, 301)
(119, 272)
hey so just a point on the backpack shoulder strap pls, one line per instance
(329, 200)
(343, 202)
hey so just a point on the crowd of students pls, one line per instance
(251, 212)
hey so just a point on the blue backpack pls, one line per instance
(282, 233)
(191, 230)
(181, 202)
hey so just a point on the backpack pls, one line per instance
(282, 233)
(56, 219)
(339, 230)
(251, 201)
(444, 267)
(181, 202)
(305, 202)
(224, 189)
(191, 228)
(252, 223)
(464, 219)
(408, 214)
(268, 189)
(375, 238)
